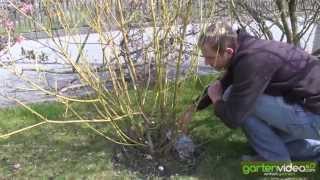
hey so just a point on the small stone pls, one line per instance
(16, 166)
(161, 168)
(119, 155)
(169, 134)
(148, 157)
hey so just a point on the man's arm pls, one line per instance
(204, 100)
(250, 80)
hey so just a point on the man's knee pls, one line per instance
(226, 93)
(252, 124)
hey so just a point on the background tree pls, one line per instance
(294, 18)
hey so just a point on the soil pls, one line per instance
(164, 166)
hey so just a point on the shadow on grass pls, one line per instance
(56, 152)
(222, 159)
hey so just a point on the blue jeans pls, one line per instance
(278, 131)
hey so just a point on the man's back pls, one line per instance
(270, 67)
(297, 74)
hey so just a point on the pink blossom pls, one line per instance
(26, 8)
(19, 39)
(8, 24)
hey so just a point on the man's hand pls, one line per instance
(215, 91)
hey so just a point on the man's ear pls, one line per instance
(230, 51)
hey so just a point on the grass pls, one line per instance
(74, 152)
(52, 151)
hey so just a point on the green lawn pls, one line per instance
(75, 152)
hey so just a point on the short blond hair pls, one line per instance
(219, 35)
